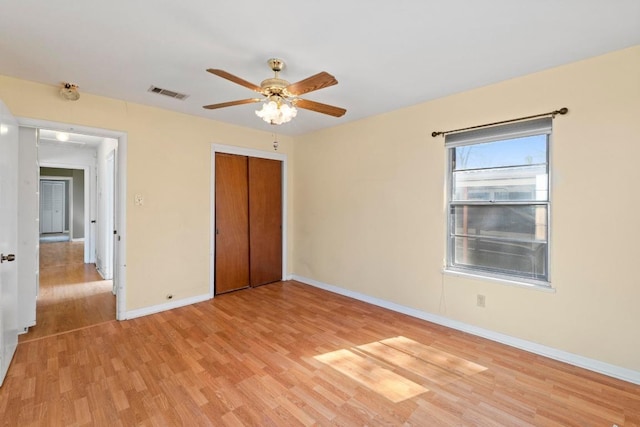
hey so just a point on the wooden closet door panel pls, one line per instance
(265, 220)
(232, 223)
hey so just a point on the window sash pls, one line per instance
(506, 188)
(496, 203)
(533, 265)
(538, 228)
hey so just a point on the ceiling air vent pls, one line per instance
(169, 93)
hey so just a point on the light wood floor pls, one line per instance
(288, 354)
(72, 294)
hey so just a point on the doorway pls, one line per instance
(86, 264)
(75, 287)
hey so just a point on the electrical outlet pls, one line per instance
(480, 300)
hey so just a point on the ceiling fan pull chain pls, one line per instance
(275, 142)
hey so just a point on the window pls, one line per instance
(498, 201)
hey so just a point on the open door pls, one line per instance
(8, 239)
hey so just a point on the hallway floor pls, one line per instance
(72, 294)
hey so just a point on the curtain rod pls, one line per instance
(562, 111)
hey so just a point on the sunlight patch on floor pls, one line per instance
(368, 373)
(384, 366)
(454, 364)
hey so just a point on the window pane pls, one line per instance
(529, 150)
(514, 183)
(522, 223)
(520, 259)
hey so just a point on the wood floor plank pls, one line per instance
(273, 356)
(72, 294)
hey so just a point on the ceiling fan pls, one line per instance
(281, 97)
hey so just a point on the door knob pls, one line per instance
(10, 257)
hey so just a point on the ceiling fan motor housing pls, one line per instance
(274, 86)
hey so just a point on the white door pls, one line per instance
(52, 206)
(110, 212)
(8, 238)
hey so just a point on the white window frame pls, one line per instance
(494, 134)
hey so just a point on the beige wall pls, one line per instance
(370, 209)
(168, 162)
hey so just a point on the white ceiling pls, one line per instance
(385, 54)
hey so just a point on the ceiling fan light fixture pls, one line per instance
(276, 111)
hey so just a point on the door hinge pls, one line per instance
(9, 257)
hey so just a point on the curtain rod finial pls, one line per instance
(434, 134)
(563, 110)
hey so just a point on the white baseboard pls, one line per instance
(78, 239)
(99, 269)
(542, 350)
(25, 328)
(145, 311)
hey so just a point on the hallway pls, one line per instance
(72, 294)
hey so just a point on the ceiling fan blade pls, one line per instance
(232, 103)
(235, 79)
(320, 108)
(315, 82)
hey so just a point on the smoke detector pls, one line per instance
(69, 91)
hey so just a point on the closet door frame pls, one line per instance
(228, 149)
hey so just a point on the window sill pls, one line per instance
(535, 286)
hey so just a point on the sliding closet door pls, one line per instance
(265, 220)
(232, 223)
